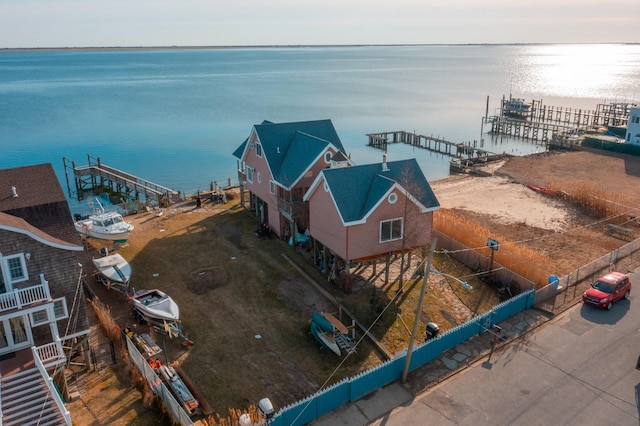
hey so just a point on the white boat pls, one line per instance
(113, 271)
(155, 305)
(515, 107)
(105, 226)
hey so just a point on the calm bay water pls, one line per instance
(175, 116)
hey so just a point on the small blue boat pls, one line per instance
(326, 339)
(322, 322)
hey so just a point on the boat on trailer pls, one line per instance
(157, 308)
(114, 272)
(104, 225)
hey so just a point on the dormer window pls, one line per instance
(13, 269)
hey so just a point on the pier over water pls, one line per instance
(97, 176)
(467, 158)
(381, 140)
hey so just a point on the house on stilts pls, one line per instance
(301, 182)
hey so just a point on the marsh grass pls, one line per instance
(594, 200)
(512, 255)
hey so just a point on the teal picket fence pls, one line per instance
(352, 389)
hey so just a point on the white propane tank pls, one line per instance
(266, 407)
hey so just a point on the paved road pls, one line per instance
(578, 369)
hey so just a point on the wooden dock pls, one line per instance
(532, 130)
(544, 122)
(382, 140)
(97, 176)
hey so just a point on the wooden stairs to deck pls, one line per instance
(26, 400)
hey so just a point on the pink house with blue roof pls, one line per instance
(300, 180)
(278, 162)
(368, 211)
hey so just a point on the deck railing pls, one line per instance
(22, 297)
(49, 382)
(52, 353)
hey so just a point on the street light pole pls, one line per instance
(423, 290)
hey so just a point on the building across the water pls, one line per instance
(633, 127)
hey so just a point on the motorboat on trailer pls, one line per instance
(105, 225)
(155, 304)
(113, 271)
(156, 307)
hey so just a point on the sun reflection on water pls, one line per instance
(578, 71)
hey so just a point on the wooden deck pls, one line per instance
(22, 360)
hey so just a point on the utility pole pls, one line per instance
(423, 290)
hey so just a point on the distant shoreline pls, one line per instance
(274, 46)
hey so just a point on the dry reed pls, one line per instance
(519, 259)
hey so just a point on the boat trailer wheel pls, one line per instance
(138, 317)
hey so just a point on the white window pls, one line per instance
(250, 171)
(327, 157)
(391, 230)
(392, 198)
(259, 150)
(272, 187)
(13, 269)
(60, 308)
(259, 178)
(39, 317)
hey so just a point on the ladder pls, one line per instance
(344, 342)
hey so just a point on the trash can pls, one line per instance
(554, 280)
(432, 330)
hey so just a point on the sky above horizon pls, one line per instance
(147, 23)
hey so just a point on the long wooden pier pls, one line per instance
(96, 175)
(381, 140)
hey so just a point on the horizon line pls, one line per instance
(275, 46)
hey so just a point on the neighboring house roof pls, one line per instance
(32, 184)
(357, 190)
(290, 149)
(34, 194)
(20, 226)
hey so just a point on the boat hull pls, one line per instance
(324, 338)
(114, 268)
(108, 226)
(155, 305)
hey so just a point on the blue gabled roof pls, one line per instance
(291, 148)
(356, 190)
(302, 152)
(240, 150)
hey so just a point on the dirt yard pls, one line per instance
(234, 288)
(505, 204)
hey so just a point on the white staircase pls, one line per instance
(26, 401)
